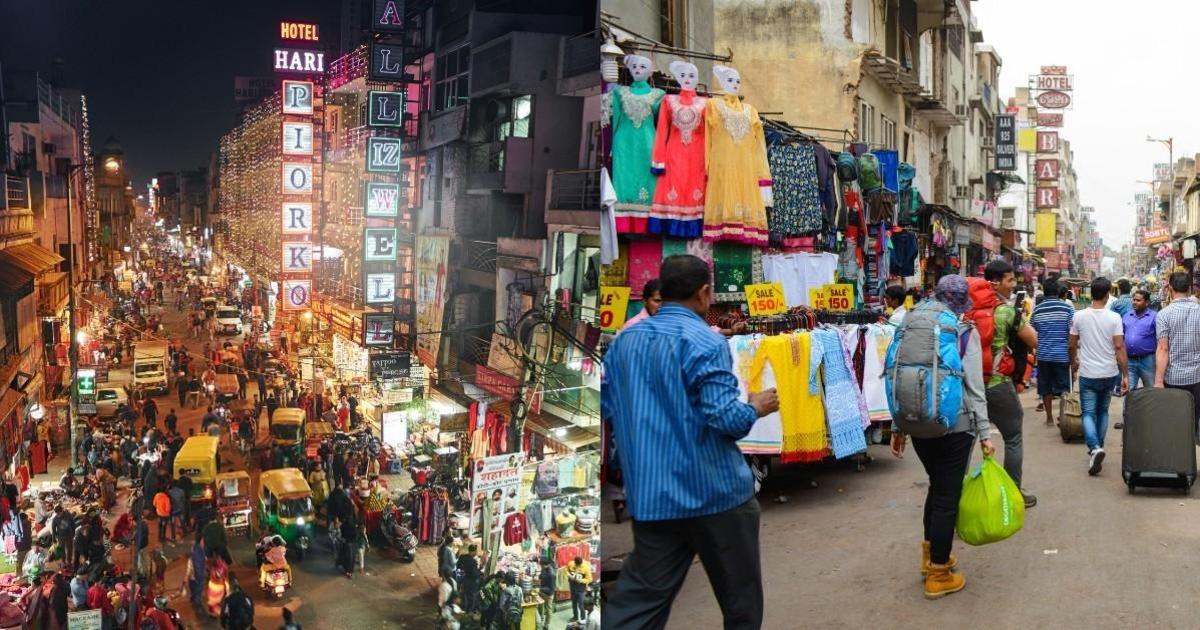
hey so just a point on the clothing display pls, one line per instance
(632, 110)
(608, 220)
(516, 529)
(795, 191)
(430, 513)
(766, 437)
(802, 414)
(645, 258)
(737, 167)
(845, 409)
(679, 160)
(799, 273)
(876, 340)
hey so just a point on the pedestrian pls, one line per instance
(489, 600)
(1052, 321)
(999, 322)
(512, 602)
(171, 421)
(669, 386)
(215, 541)
(197, 574)
(894, 296)
(1177, 358)
(57, 617)
(546, 588)
(21, 532)
(79, 588)
(579, 574)
(64, 533)
(211, 324)
(289, 622)
(1097, 349)
(237, 613)
(361, 545)
(1141, 341)
(469, 574)
(179, 502)
(447, 564)
(1124, 302)
(349, 532)
(945, 458)
(162, 509)
(451, 612)
(97, 599)
(593, 616)
(150, 412)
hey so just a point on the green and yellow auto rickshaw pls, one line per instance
(285, 507)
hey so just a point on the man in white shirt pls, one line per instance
(1097, 353)
(894, 297)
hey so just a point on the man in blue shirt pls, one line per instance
(1141, 340)
(671, 399)
(1124, 302)
(1052, 321)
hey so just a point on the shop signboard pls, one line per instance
(296, 217)
(85, 391)
(1047, 197)
(387, 16)
(297, 138)
(383, 155)
(297, 178)
(1049, 119)
(989, 241)
(394, 425)
(1053, 99)
(1059, 82)
(252, 88)
(840, 296)
(1154, 236)
(387, 63)
(1006, 142)
(430, 288)
(1045, 226)
(494, 382)
(389, 366)
(385, 109)
(382, 200)
(1162, 172)
(297, 294)
(766, 299)
(379, 244)
(299, 61)
(1047, 169)
(379, 288)
(495, 485)
(84, 620)
(298, 98)
(378, 329)
(297, 257)
(1047, 142)
(817, 299)
(614, 306)
(1027, 140)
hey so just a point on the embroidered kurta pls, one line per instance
(736, 162)
(844, 407)
(802, 414)
(766, 437)
(795, 190)
(678, 209)
(633, 110)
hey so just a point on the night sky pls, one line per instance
(158, 74)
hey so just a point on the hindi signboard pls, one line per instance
(495, 487)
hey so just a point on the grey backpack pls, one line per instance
(924, 372)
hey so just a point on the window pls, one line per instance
(887, 133)
(674, 23)
(452, 87)
(866, 122)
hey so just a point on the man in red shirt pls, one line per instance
(97, 599)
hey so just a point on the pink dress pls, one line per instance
(678, 159)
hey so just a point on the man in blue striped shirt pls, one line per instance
(671, 398)
(1052, 321)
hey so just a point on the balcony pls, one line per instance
(16, 193)
(891, 73)
(985, 100)
(501, 166)
(52, 293)
(573, 198)
(478, 264)
(578, 66)
(512, 64)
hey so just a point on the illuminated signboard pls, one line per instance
(380, 288)
(297, 217)
(297, 257)
(383, 155)
(297, 294)
(387, 63)
(298, 60)
(297, 138)
(378, 329)
(298, 31)
(379, 244)
(387, 16)
(382, 200)
(297, 178)
(298, 97)
(386, 109)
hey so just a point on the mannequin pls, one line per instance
(739, 180)
(678, 209)
(631, 110)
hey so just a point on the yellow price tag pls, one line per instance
(840, 297)
(614, 304)
(817, 299)
(766, 299)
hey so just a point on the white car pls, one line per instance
(108, 398)
(229, 320)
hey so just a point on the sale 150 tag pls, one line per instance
(840, 297)
(614, 303)
(765, 299)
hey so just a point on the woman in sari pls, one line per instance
(218, 585)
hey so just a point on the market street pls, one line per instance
(845, 554)
(394, 594)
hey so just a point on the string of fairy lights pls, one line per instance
(92, 223)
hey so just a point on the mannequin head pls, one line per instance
(639, 67)
(685, 74)
(729, 79)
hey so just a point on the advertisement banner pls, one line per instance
(840, 296)
(1027, 140)
(495, 486)
(1154, 236)
(431, 295)
(1006, 142)
(614, 305)
(766, 299)
(493, 382)
(1047, 142)
(1044, 231)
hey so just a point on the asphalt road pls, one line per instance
(393, 594)
(846, 553)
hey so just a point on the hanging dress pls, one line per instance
(678, 158)
(766, 436)
(802, 415)
(631, 112)
(736, 161)
(844, 407)
(795, 190)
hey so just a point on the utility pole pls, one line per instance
(73, 349)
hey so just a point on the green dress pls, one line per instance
(632, 111)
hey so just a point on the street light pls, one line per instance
(1170, 143)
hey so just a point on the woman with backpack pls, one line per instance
(943, 444)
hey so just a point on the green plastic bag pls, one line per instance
(991, 507)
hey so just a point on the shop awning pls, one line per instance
(14, 279)
(31, 257)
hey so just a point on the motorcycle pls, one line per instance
(276, 580)
(397, 536)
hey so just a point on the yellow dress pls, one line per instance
(797, 380)
(736, 162)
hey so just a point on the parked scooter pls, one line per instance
(397, 536)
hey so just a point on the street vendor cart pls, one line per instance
(233, 502)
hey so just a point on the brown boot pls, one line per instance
(952, 562)
(941, 582)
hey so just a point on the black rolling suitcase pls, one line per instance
(1159, 446)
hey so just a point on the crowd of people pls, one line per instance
(669, 386)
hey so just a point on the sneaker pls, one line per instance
(1030, 500)
(1095, 461)
(1119, 425)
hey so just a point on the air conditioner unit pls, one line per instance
(987, 142)
(961, 192)
(960, 111)
(1008, 224)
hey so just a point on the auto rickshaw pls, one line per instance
(210, 305)
(233, 498)
(197, 459)
(227, 388)
(287, 430)
(314, 434)
(285, 507)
